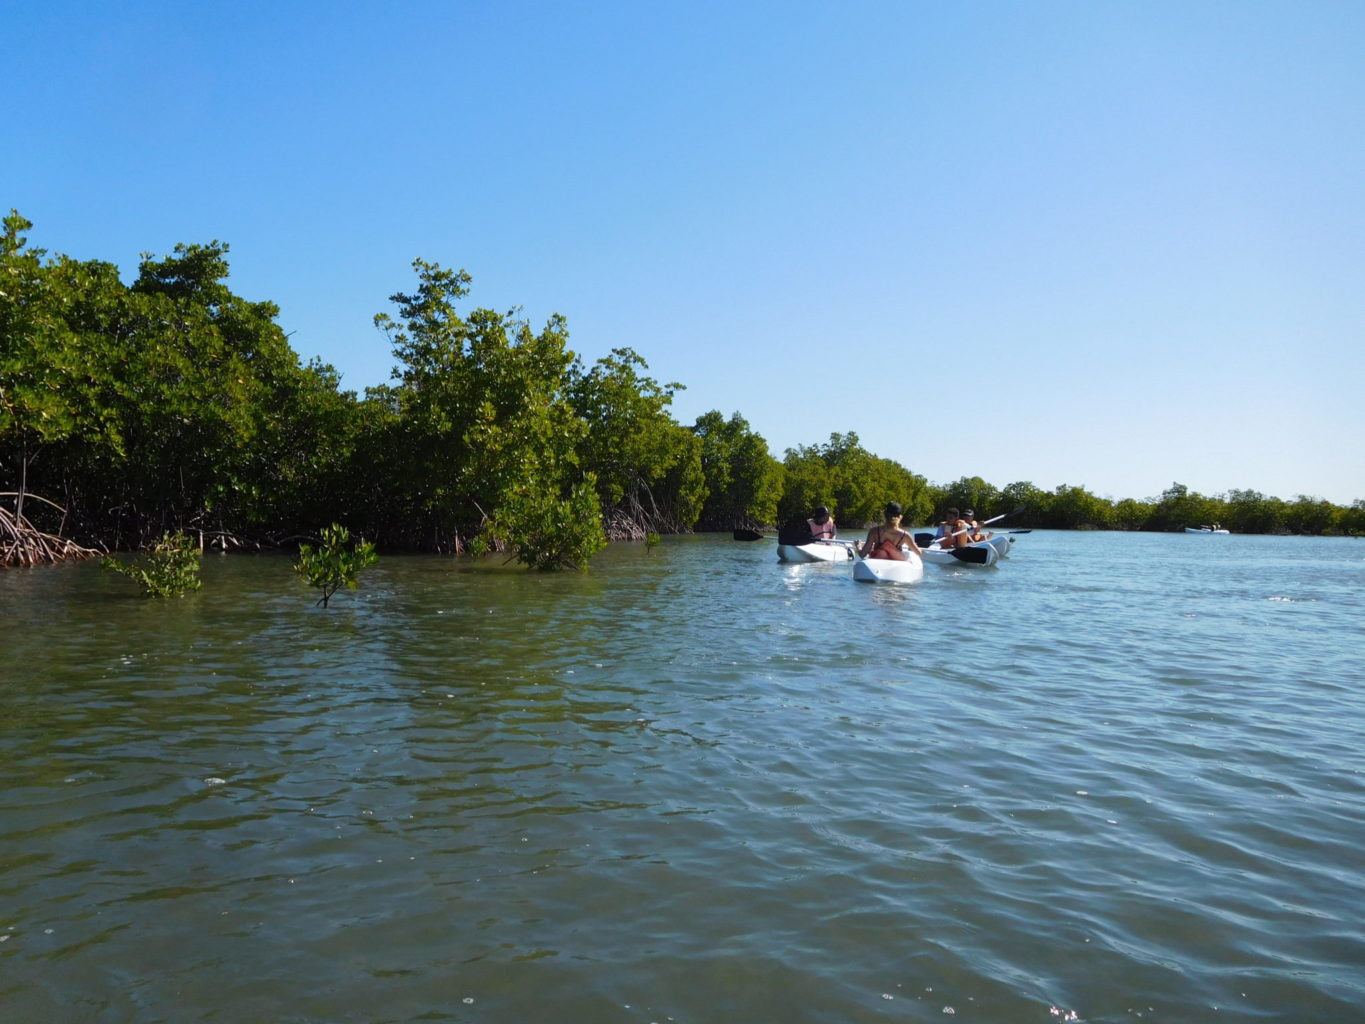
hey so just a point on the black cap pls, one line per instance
(892, 509)
(822, 511)
(968, 512)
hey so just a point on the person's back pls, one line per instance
(795, 532)
(822, 525)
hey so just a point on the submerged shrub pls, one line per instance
(171, 569)
(547, 532)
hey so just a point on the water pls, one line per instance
(1118, 777)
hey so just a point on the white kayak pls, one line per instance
(889, 570)
(816, 551)
(982, 552)
(1203, 529)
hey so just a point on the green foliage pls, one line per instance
(334, 563)
(481, 406)
(808, 484)
(169, 398)
(647, 468)
(1130, 514)
(1030, 500)
(37, 357)
(1311, 516)
(862, 482)
(52, 391)
(1250, 511)
(743, 481)
(1180, 507)
(1074, 508)
(681, 494)
(1353, 519)
(172, 567)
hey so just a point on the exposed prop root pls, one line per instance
(621, 525)
(23, 544)
(633, 519)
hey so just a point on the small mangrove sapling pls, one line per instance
(335, 563)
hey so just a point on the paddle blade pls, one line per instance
(924, 539)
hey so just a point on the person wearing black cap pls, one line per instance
(973, 526)
(822, 525)
(887, 538)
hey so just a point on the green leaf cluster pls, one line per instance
(171, 568)
(334, 563)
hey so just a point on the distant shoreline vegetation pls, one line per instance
(171, 404)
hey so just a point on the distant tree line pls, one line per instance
(170, 403)
(1074, 508)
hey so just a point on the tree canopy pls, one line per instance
(171, 403)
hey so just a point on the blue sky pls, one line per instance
(1107, 244)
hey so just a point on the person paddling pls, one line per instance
(974, 527)
(952, 532)
(885, 540)
(946, 524)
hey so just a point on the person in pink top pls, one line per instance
(822, 525)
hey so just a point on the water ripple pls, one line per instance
(1116, 777)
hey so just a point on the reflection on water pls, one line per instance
(1116, 776)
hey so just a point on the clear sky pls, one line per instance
(1114, 243)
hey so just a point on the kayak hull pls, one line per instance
(818, 551)
(888, 570)
(982, 553)
(1200, 529)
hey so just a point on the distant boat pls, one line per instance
(1215, 528)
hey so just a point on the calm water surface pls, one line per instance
(1118, 777)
